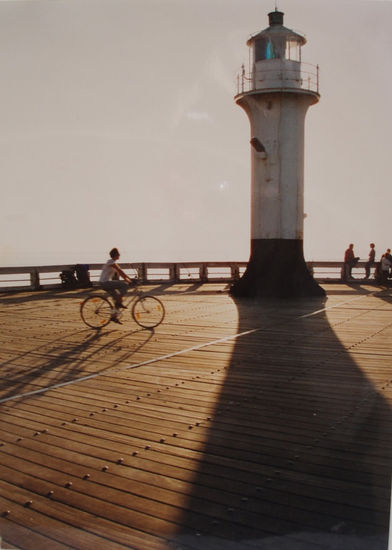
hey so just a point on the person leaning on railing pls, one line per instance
(349, 262)
(386, 264)
(371, 260)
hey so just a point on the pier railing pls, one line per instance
(47, 277)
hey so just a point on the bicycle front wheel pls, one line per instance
(96, 311)
(148, 311)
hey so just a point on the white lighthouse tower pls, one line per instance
(276, 96)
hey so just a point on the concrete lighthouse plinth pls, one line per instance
(276, 269)
(278, 96)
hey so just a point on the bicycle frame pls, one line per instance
(131, 296)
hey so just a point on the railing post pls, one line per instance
(177, 273)
(235, 272)
(142, 273)
(174, 273)
(203, 273)
(34, 279)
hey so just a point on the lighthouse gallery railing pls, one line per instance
(306, 78)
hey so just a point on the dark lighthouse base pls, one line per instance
(276, 269)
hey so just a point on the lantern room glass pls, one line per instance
(277, 47)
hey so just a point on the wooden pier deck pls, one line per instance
(234, 425)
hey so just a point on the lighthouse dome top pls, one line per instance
(274, 39)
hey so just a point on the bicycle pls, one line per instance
(98, 310)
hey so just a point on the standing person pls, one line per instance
(349, 261)
(370, 262)
(386, 263)
(110, 282)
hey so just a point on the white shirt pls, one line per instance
(108, 272)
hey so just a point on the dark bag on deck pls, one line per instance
(68, 279)
(83, 275)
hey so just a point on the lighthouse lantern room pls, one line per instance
(276, 42)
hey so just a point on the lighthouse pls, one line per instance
(276, 94)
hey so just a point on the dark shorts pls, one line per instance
(115, 288)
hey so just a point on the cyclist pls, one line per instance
(110, 282)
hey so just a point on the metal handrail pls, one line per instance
(307, 78)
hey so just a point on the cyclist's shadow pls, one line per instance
(61, 360)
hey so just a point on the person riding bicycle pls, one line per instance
(110, 282)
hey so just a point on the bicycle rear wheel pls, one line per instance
(148, 311)
(96, 311)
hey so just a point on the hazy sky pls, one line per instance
(118, 127)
